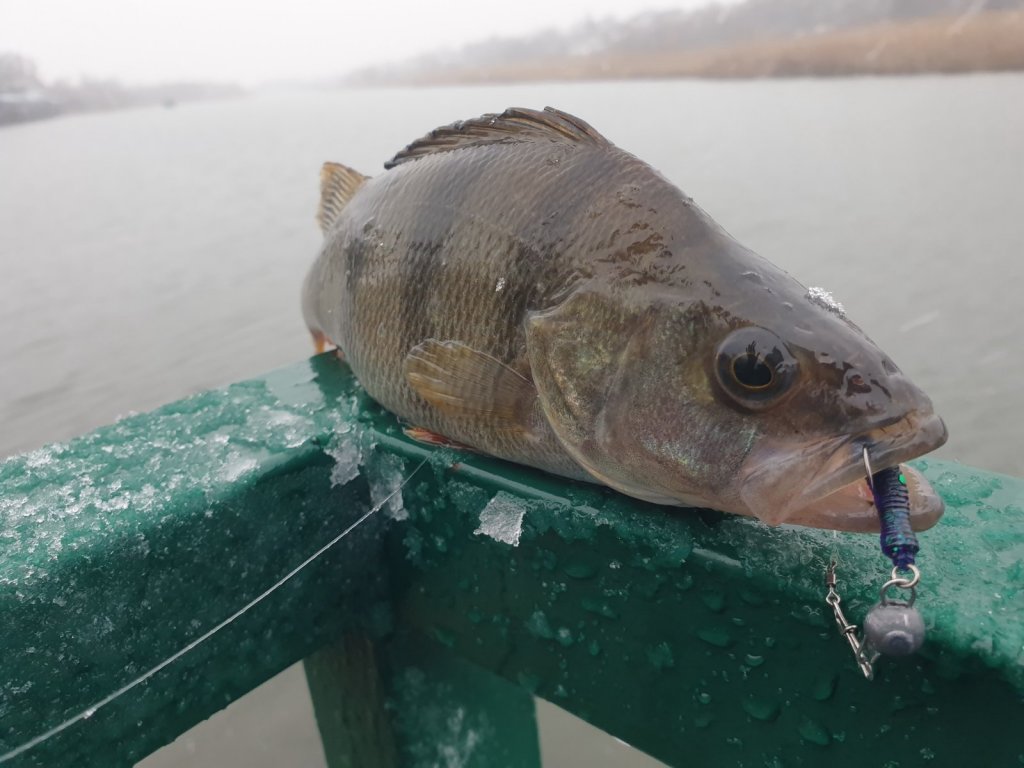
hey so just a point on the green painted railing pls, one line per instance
(702, 639)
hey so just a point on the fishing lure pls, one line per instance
(893, 627)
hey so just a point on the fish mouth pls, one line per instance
(823, 484)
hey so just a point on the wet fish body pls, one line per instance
(519, 284)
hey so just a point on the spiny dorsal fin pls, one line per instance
(337, 185)
(514, 125)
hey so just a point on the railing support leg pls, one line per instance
(448, 711)
(349, 703)
(413, 703)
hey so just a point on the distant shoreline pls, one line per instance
(17, 108)
(985, 42)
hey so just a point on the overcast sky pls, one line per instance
(145, 41)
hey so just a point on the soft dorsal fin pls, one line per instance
(515, 124)
(337, 185)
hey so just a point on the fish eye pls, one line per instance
(754, 367)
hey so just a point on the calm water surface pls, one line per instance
(149, 254)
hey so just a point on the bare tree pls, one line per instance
(18, 73)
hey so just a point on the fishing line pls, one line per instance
(88, 712)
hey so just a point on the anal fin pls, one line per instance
(321, 343)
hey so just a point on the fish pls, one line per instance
(518, 285)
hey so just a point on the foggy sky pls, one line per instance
(148, 41)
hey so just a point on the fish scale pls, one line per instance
(437, 277)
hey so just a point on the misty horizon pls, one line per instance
(264, 44)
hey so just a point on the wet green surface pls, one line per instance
(707, 642)
(695, 636)
(118, 548)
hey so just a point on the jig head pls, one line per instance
(893, 627)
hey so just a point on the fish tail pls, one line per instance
(338, 184)
(310, 296)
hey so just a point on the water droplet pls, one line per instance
(715, 601)
(753, 660)
(751, 598)
(579, 570)
(814, 732)
(538, 626)
(761, 709)
(673, 554)
(824, 686)
(716, 636)
(660, 656)
(444, 637)
(703, 721)
(899, 704)
(704, 697)
(825, 300)
(547, 559)
(1015, 573)
(602, 609)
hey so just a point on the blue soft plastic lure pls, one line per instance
(892, 500)
(892, 627)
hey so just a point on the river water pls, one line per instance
(148, 254)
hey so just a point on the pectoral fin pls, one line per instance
(465, 383)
